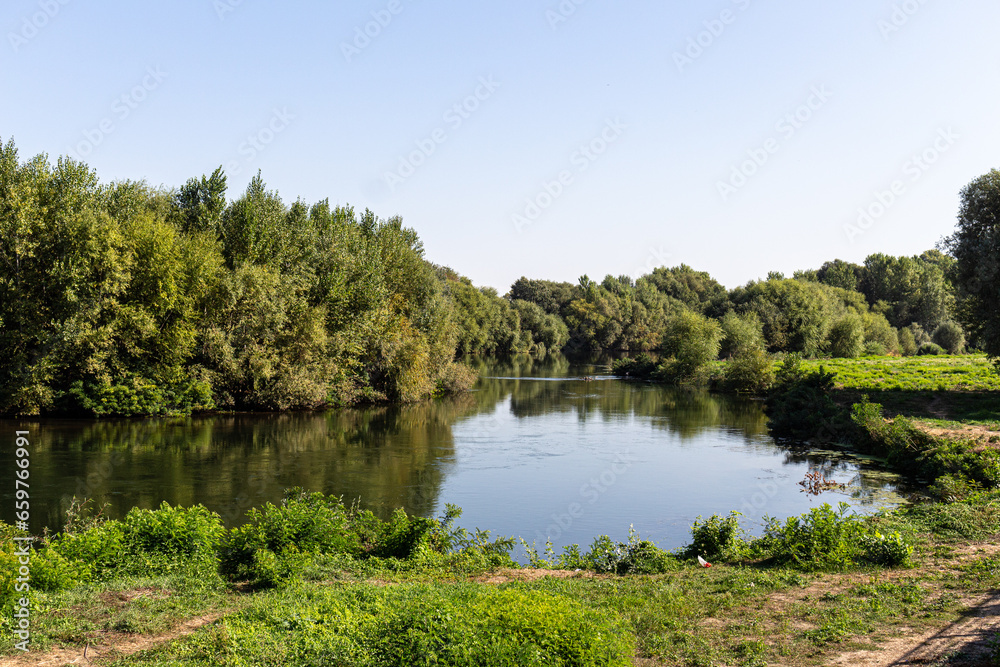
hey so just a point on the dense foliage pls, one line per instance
(976, 248)
(122, 299)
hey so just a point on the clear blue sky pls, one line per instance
(887, 81)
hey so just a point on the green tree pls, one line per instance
(975, 245)
(691, 341)
(741, 332)
(949, 336)
(847, 336)
(695, 289)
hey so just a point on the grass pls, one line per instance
(357, 610)
(943, 392)
(954, 373)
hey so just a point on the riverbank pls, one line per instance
(312, 582)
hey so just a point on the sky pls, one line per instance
(548, 139)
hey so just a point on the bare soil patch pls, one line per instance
(108, 645)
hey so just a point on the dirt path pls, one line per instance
(110, 645)
(966, 642)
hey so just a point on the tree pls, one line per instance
(552, 297)
(740, 332)
(949, 335)
(976, 248)
(200, 203)
(692, 341)
(695, 289)
(839, 273)
(847, 337)
(907, 342)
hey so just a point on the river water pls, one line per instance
(535, 451)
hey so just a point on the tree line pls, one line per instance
(124, 299)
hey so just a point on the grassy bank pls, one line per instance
(310, 582)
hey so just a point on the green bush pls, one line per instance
(633, 557)
(172, 538)
(739, 333)
(847, 337)
(691, 341)
(455, 379)
(138, 396)
(875, 349)
(51, 571)
(886, 550)
(930, 348)
(257, 551)
(99, 548)
(641, 367)
(799, 406)
(949, 336)
(277, 540)
(750, 371)
(718, 538)
(822, 538)
(607, 556)
(907, 343)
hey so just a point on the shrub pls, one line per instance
(950, 488)
(8, 566)
(174, 538)
(692, 340)
(750, 371)
(930, 348)
(740, 332)
(278, 540)
(97, 550)
(907, 343)
(455, 379)
(633, 557)
(607, 556)
(879, 334)
(822, 538)
(949, 336)
(138, 396)
(717, 538)
(886, 550)
(799, 406)
(266, 549)
(641, 367)
(874, 349)
(847, 337)
(50, 571)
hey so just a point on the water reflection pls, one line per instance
(516, 453)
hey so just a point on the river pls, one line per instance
(535, 451)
